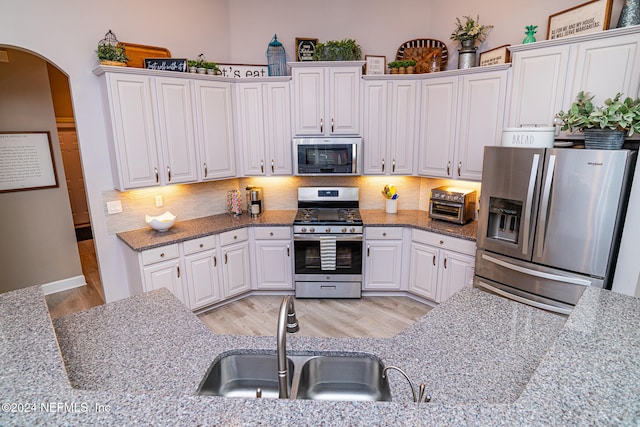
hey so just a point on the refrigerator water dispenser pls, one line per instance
(504, 219)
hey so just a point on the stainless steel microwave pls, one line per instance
(327, 156)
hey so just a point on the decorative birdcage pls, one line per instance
(110, 52)
(276, 58)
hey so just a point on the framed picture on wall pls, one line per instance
(375, 65)
(585, 18)
(305, 48)
(26, 161)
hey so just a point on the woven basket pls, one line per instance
(603, 139)
(433, 44)
(113, 63)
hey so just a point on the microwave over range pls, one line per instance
(327, 156)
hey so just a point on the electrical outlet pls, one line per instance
(159, 201)
(114, 207)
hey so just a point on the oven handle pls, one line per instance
(339, 237)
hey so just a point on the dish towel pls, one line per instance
(327, 252)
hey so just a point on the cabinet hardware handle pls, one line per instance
(271, 233)
(215, 261)
(178, 270)
(442, 242)
(445, 262)
(162, 255)
(235, 237)
(206, 171)
(201, 245)
(449, 167)
(331, 124)
(272, 167)
(368, 250)
(262, 166)
(226, 260)
(155, 170)
(321, 125)
(459, 167)
(169, 173)
(384, 234)
(288, 251)
(434, 260)
(393, 166)
(382, 165)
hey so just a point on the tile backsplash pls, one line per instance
(189, 201)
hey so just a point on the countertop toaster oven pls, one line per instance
(452, 204)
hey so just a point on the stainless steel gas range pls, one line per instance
(327, 240)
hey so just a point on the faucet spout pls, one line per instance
(287, 323)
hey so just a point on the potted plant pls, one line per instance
(112, 55)
(193, 65)
(605, 126)
(338, 50)
(211, 67)
(402, 66)
(468, 33)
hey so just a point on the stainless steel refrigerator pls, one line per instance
(550, 222)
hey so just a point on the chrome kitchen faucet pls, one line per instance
(287, 323)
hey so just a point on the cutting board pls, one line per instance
(138, 52)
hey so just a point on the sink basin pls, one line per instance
(240, 375)
(343, 378)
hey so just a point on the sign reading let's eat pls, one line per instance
(243, 70)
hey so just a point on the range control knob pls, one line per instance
(328, 229)
(303, 229)
(344, 230)
(312, 230)
(352, 229)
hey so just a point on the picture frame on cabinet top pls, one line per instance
(375, 65)
(305, 48)
(495, 56)
(589, 17)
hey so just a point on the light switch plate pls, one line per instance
(114, 207)
(158, 201)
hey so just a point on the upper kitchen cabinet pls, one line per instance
(548, 75)
(389, 129)
(264, 127)
(326, 98)
(214, 130)
(460, 114)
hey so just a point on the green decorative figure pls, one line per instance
(531, 30)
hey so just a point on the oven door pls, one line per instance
(308, 258)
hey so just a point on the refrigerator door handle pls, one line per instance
(527, 214)
(544, 206)
(522, 300)
(541, 274)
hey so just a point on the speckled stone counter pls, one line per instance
(484, 359)
(147, 238)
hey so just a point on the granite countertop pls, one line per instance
(148, 238)
(485, 360)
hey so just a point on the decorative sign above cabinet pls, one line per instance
(243, 70)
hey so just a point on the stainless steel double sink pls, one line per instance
(324, 376)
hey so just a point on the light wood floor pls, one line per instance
(84, 297)
(368, 317)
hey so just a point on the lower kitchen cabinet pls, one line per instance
(162, 268)
(202, 271)
(439, 266)
(236, 269)
(274, 260)
(383, 259)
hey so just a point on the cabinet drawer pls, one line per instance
(163, 253)
(444, 242)
(201, 244)
(272, 232)
(233, 236)
(382, 233)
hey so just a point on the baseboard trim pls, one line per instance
(64, 285)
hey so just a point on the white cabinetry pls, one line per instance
(162, 268)
(389, 126)
(383, 263)
(274, 261)
(547, 76)
(459, 116)
(439, 265)
(264, 123)
(326, 98)
(202, 271)
(236, 270)
(214, 130)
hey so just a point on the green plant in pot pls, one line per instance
(212, 67)
(402, 66)
(338, 50)
(604, 126)
(108, 54)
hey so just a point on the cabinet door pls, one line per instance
(403, 124)
(308, 95)
(164, 275)
(457, 273)
(236, 269)
(437, 137)
(252, 128)
(539, 78)
(175, 121)
(344, 101)
(423, 271)
(274, 264)
(383, 265)
(214, 127)
(278, 128)
(375, 126)
(481, 120)
(202, 279)
(133, 130)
